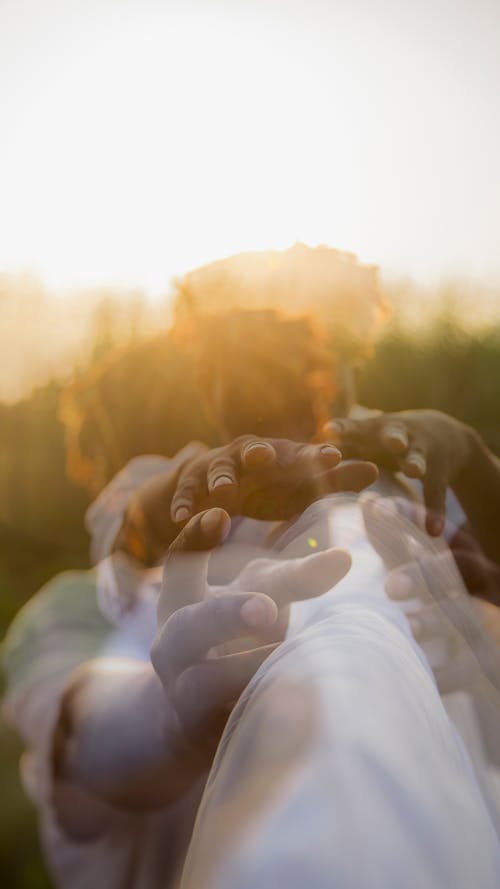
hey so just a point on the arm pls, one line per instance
(140, 735)
(477, 487)
(269, 479)
(134, 507)
(439, 450)
(118, 737)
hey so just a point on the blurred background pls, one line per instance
(143, 138)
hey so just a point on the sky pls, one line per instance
(143, 138)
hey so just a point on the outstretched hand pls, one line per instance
(449, 627)
(423, 444)
(197, 625)
(265, 478)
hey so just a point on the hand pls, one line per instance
(447, 625)
(272, 479)
(480, 574)
(196, 624)
(423, 444)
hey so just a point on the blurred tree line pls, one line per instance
(443, 362)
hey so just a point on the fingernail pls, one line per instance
(333, 430)
(329, 450)
(259, 451)
(181, 514)
(396, 435)
(415, 467)
(256, 445)
(222, 481)
(212, 520)
(257, 612)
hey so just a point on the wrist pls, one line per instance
(475, 454)
(147, 528)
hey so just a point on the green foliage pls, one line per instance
(443, 366)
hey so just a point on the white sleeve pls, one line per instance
(339, 765)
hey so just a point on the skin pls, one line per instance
(262, 478)
(139, 736)
(442, 452)
(427, 591)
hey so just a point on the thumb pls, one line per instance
(185, 570)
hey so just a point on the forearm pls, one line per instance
(118, 738)
(477, 487)
(147, 529)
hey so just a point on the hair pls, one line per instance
(341, 293)
(258, 325)
(253, 329)
(262, 371)
(138, 400)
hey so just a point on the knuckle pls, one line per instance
(219, 467)
(186, 488)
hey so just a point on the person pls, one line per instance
(111, 612)
(135, 847)
(110, 764)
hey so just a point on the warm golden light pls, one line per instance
(145, 139)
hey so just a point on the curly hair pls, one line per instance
(343, 294)
(258, 324)
(254, 330)
(262, 371)
(138, 400)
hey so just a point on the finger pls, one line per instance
(185, 569)
(394, 437)
(479, 574)
(430, 578)
(256, 454)
(191, 489)
(338, 429)
(400, 586)
(296, 579)
(192, 631)
(221, 474)
(204, 690)
(386, 529)
(307, 458)
(352, 475)
(414, 465)
(457, 673)
(429, 623)
(434, 487)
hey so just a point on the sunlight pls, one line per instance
(119, 188)
(148, 139)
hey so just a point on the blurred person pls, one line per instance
(340, 725)
(260, 370)
(133, 525)
(109, 762)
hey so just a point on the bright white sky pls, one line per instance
(142, 138)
